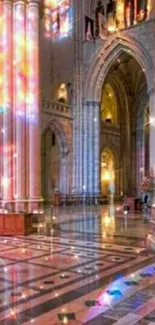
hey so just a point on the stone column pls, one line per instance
(152, 140)
(85, 146)
(91, 150)
(90, 135)
(63, 181)
(32, 103)
(140, 166)
(1, 94)
(77, 99)
(19, 103)
(8, 147)
(96, 149)
(151, 236)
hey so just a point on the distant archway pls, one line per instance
(62, 94)
(113, 66)
(54, 161)
(108, 166)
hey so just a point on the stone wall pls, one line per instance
(85, 65)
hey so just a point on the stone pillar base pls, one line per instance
(35, 205)
(23, 205)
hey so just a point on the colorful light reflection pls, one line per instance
(58, 18)
(19, 99)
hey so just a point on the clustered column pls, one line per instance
(32, 101)
(91, 150)
(151, 237)
(77, 100)
(152, 140)
(140, 170)
(19, 104)
(96, 148)
(7, 145)
(1, 91)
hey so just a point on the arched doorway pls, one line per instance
(119, 108)
(107, 172)
(55, 162)
(63, 94)
(127, 66)
(50, 164)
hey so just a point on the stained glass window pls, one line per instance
(58, 18)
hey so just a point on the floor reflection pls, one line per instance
(107, 221)
(82, 265)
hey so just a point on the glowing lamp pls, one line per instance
(104, 164)
(106, 176)
(65, 320)
(107, 220)
(152, 120)
(112, 28)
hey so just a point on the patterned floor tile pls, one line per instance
(77, 277)
(20, 254)
(61, 261)
(23, 272)
(117, 258)
(49, 248)
(53, 281)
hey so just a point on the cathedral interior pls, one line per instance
(77, 167)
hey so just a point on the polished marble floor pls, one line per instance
(82, 265)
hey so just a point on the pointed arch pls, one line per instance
(104, 59)
(64, 155)
(57, 128)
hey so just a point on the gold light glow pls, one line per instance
(120, 7)
(106, 176)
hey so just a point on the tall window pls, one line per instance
(58, 18)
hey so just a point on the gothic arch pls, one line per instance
(112, 148)
(105, 58)
(64, 149)
(57, 128)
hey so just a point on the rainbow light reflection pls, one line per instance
(57, 18)
(118, 290)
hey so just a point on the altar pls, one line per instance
(15, 224)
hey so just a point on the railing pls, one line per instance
(56, 108)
